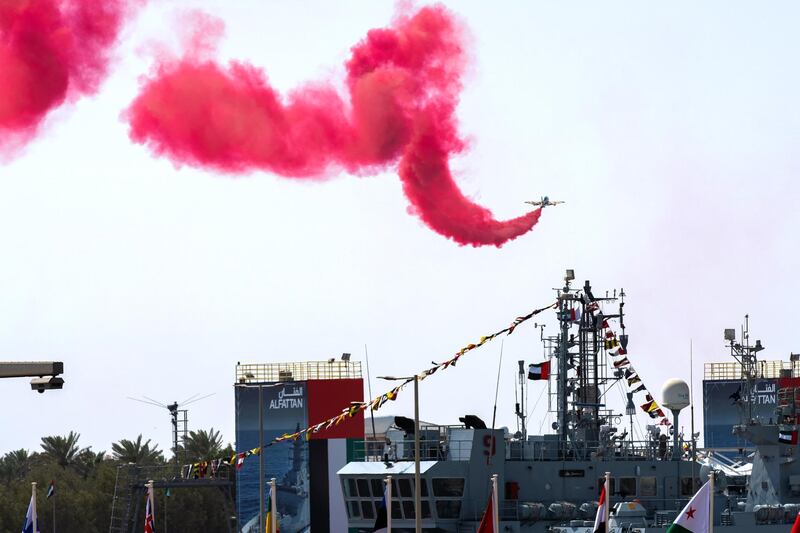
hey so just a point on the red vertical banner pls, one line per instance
(327, 398)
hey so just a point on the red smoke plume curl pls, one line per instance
(402, 87)
(51, 51)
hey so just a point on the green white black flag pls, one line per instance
(694, 517)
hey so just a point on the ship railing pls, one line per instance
(403, 450)
(443, 449)
(558, 450)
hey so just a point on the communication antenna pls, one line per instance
(520, 407)
(178, 418)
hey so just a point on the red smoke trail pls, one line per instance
(402, 86)
(51, 51)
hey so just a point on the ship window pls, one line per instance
(648, 486)
(351, 488)
(448, 508)
(363, 487)
(426, 509)
(396, 514)
(366, 509)
(355, 512)
(448, 487)
(627, 486)
(377, 487)
(423, 487)
(405, 487)
(408, 509)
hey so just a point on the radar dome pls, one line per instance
(675, 393)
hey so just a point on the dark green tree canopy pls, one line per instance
(137, 452)
(63, 450)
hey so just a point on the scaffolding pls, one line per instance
(275, 372)
(764, 370)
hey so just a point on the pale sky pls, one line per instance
(670, 131)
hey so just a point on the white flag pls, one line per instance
(694, 517)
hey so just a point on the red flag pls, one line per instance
(487, 522)
(796, 526)
(600, 525)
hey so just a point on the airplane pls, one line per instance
(544, 202)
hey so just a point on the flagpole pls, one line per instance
(495, 510)
(607, 510)
(54, 508)
(273, 506)
(389, 504)
(149, 486)
(711, 502)
(261, 516)
(33, 504)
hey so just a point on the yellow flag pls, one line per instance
(268, 528)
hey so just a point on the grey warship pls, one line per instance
(551, 482)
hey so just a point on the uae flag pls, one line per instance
(695, 517)
(600, 525)
(539, 371)
(796, 526)
(787, 437)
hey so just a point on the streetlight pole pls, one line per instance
(417, 481)
(260, 457)
(417, 498)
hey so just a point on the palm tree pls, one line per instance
(16, 464)
(203, 445)
(87, 461)
(136, 451)
(63, 450)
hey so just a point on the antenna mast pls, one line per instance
(564, 308)
(746, 356)
(521, 405)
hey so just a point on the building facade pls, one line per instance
(723, 399)
(294, 396)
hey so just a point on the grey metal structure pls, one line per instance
(551, 482)
(127, 507)
(20, 369)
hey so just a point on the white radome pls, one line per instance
(675, 394)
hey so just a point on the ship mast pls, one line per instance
(582, 364)
(564, 307)
(746, 356)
